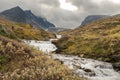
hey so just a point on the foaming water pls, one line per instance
(92, 69)
(45, 46)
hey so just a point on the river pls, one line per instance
(89, 68)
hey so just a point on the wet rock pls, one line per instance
(87, 70)
(116, 66)
(75, 59)
(91, 74)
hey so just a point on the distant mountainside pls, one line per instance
(16, 14)
(92, 18)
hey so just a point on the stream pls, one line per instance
(89, 68)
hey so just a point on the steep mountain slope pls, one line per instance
(23, 31)
(16, 14)
(37, 21)
(92, 18)
(98, 40)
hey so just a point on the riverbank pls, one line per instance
(21, 62)
(89, 68)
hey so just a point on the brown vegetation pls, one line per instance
(23, 31)
(20, 62)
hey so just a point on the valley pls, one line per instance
(33, 48)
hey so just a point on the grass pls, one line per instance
(98, 40)
(23, 31)
(20, 62)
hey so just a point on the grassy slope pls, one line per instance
(20, 62)
(99, 40)
(22, 31)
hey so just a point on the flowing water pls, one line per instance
(89, 68)
(92, 69)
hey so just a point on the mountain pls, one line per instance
(37, 21)
(92, 18)
(97, 40)
(17, 58)
(16, 14)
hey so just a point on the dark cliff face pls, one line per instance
(16, 14)
(92, 18)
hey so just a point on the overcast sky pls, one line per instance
(65, 13)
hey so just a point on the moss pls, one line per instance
(4, 59)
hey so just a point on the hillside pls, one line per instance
(20, 62)
(17, 14)
(97, 40)
(22, 31)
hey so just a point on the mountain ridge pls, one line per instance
(92, 18)
(17, 14)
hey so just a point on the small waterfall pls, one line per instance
(45, 46)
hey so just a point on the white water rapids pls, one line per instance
(89, 68)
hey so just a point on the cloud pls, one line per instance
(61, 17)
(67, 5)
